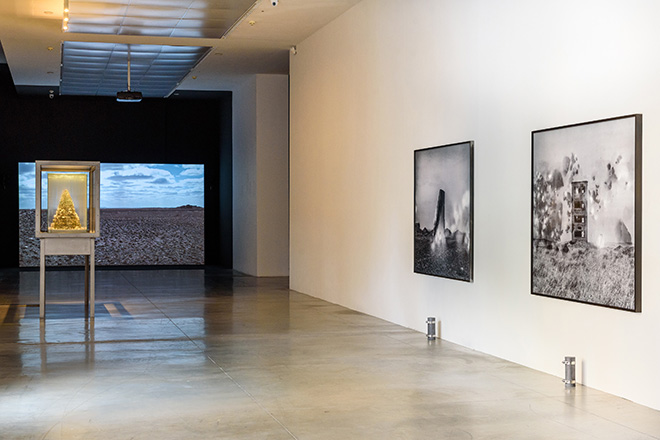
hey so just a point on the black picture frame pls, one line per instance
(586, 220)
(444, 211)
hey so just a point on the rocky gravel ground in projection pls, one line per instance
(142, 236)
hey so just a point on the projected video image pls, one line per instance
(151, 214)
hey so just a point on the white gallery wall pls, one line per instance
(392, 76)
(260, 171)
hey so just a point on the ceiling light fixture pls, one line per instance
(65, 16)
(128, 95)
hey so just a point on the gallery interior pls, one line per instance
(307, 319)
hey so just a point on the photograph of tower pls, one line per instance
(443, 211)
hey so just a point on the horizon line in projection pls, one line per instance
(133, 185)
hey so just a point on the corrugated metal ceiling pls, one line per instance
(100, 69)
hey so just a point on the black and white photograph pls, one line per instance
(443, 211)
(586, 212)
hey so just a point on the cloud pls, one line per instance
(194, 170)
(151, 185)
(113, 166)
(120, 177)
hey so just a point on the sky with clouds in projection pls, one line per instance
(133, 185)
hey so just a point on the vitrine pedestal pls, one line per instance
(68, 246)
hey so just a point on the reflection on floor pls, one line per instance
(210, 354)
(14, 313)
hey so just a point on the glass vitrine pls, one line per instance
(67, 199)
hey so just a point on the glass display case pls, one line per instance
(67, 199)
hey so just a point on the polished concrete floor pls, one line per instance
(209, 354)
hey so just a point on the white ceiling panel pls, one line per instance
(189, 18)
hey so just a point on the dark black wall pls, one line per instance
(101, 129)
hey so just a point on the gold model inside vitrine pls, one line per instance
(67, 199)
(67, 202)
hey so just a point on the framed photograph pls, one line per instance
(443, 230)
(586, 212)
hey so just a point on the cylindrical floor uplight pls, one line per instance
(569, 371)
(430, 328)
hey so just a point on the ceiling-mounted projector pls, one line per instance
(129, 96)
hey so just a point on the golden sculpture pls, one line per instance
(66, 217)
